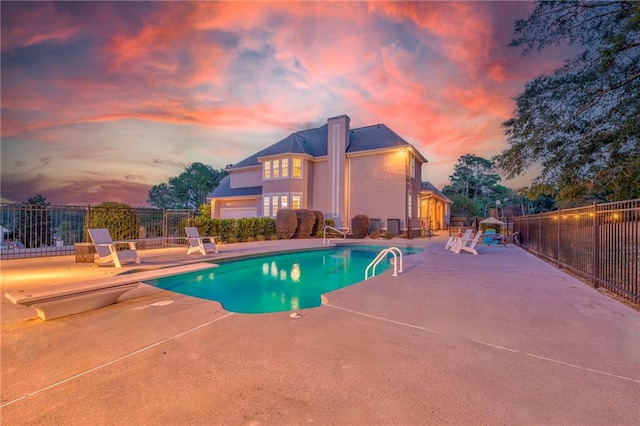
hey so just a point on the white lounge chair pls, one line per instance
(470, 248)
(106, 251)
(198, 244)
(452, 240)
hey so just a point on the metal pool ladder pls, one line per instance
(324, 234)
(395, 251)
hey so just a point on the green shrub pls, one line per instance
(319, 223)
(247, 228)
(360, 226)
(306, 220)
(215, 227)
(121, 220)
(286, 223)
(229, 230)
(266, 226)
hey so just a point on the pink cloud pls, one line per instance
(38, 24)
(233, 77)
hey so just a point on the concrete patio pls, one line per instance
(498, 338)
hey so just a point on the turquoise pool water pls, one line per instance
(279, 282)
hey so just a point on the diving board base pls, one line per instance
(78, 303)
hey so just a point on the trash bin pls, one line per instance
(393, 227)
(374, 225)
(84, 252)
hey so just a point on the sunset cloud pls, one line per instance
(137, 91)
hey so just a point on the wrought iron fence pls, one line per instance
(30, 230)
(599, 243)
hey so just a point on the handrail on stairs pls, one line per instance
(324, 234)
(378, 259)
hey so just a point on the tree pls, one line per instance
(188, 190)
(121, 220)
(34, 223)
(474, 179)
(162, 196)
(581, 122)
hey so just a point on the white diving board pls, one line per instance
(68, 299)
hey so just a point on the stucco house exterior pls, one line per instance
(338, 170)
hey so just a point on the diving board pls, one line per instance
(68, 299)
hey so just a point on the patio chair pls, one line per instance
(106, 251)
(462, 245)
(198, 244)
(452, 240)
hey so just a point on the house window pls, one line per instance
(413, 168)
(267, 170)
(297, 167)
(276, 202)
(279, 169)
(296, 201)
(409, 204)
(266, 206)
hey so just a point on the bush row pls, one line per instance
(300, 223)
(236, 230)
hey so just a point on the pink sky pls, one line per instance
(102, 100)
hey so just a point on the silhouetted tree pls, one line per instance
(473, 179)
(580, 122)
(34, 223)
(188, 190)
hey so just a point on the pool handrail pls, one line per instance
(324, 234)
(379, 258)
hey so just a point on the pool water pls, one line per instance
(279, 282)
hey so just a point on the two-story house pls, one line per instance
(335, 169)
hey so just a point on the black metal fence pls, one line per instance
(31, 230)
(599, 243)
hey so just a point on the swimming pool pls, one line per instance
(279, 282)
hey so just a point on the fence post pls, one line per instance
(558, 240)
(165, 227)
(87, 225)
(596, 246)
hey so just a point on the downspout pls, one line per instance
(407, 183)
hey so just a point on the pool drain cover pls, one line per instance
(161, 303)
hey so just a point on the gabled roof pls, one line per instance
(428, 186)
(224, 190)
(373, 137)
(291, 144)
(313, 142)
